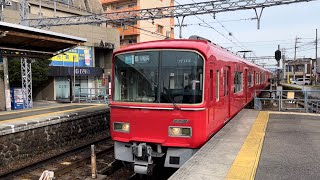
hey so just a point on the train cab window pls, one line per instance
(186, 72)
(159, 77)
(217, 85)
(136, 77)
(238, 82)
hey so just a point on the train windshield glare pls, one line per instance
(159, 77)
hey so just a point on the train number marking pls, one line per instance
(180, 121)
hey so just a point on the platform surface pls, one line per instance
(44, 112)
(259, 145)
(291, 148)
(215, 158)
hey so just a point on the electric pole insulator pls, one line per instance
(277, 55)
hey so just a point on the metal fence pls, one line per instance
(288, 100)
(92, 95)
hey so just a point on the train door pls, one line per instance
(245, 85)
(227, 88)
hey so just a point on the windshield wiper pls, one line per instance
(168, 96)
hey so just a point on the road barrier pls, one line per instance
(287, 100)
(93, 95)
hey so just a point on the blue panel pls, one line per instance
(80, 56)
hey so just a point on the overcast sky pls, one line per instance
(279, 25)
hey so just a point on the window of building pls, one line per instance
(238, 79)
(160, 29)
(132, 5)
(118, 7)
(172, 33)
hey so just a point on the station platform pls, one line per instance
(11, 121)
(259, 145)
(50, 129)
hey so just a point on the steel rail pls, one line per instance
(38, 163)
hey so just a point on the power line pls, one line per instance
(191, 9)
(232, 20)
(229, 33)
(209, 26)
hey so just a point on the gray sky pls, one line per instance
(279, 25)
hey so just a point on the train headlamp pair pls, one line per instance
(180, 131)
(121, 127)
(173, 130)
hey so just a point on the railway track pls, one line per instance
(313, 105)
(74, 164)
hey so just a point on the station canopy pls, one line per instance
(23, 41)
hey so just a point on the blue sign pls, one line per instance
(128, 59)
(80, 57)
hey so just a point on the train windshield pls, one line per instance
(159, 77)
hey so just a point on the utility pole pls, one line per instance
(6, 84)
(295, 57)
(317, 63)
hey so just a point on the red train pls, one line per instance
(169, 97)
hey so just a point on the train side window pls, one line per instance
(225, 82)
(257, 78)
(238, 82)
(217, 85)
(250, 79)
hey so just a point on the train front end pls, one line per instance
(158, 114)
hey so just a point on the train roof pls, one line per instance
(201, 46)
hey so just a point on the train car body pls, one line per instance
(169, 97)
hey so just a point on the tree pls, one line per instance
(40, 71)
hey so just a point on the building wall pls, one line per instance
(93, 33)
(166, 23)
(148, 31)
(48, 91)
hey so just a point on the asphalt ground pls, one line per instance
(291, 148)
(32, 112)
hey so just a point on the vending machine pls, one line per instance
(17, 99)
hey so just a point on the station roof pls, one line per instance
(17, 40)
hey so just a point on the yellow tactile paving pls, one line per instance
(245, 165)
(46, 114)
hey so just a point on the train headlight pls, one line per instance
(180, 131)
(121, 127)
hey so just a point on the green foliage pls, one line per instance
(40, 70)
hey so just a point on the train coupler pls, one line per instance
(143, 154)
(143, 167)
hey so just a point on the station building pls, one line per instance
(299, 68)
(140, 31)
(91, 61)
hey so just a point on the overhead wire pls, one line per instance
(209, 26)
(230, 33)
